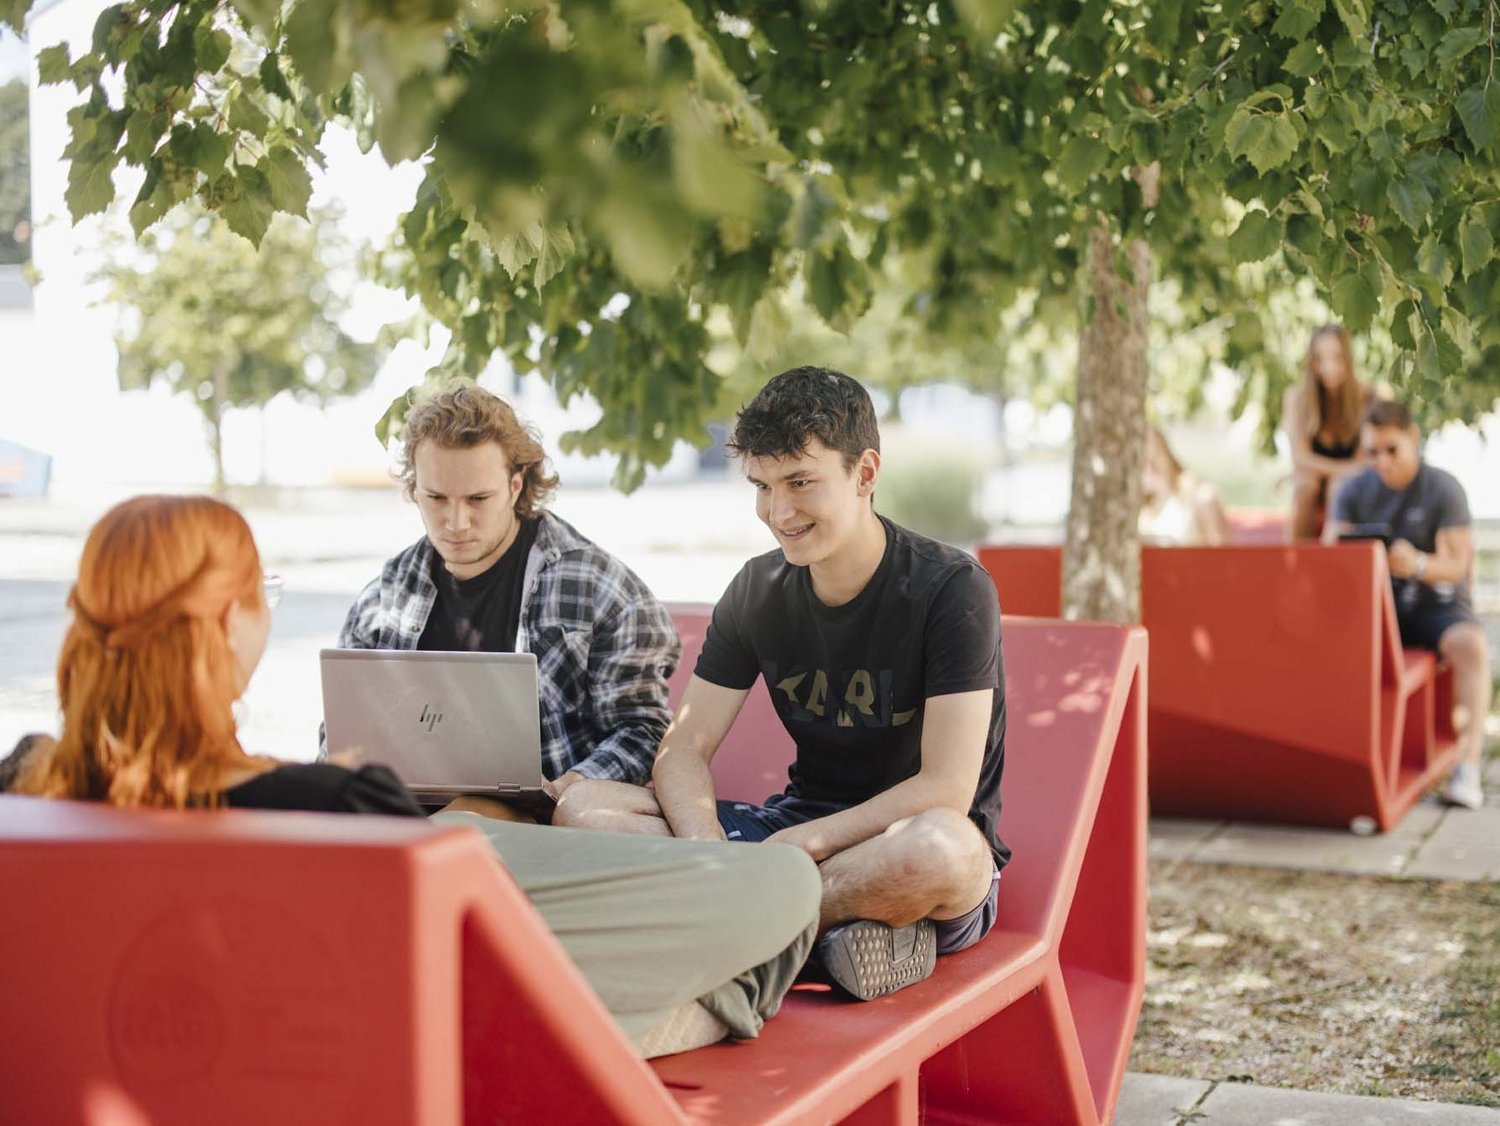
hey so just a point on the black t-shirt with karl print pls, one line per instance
(849, 682)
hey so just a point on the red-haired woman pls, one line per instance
(1321, 416)
(170, 621)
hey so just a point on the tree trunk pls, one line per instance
(216, 432)
(1001, 399)
(1102, 555)
(265, 448)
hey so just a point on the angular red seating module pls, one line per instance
(1279, 688)
(1256, 525)
(272, 967)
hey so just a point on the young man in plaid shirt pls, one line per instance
(497, 573)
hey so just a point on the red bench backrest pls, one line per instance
(1032, 578)
(284, 968)
(752, 762)
(1234, 628)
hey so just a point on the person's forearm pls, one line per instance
(626, 755)
(839, 831)
(685, 792)
(1316, 465)
(1445, 568)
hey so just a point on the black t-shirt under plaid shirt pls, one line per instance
(851, 682)
(479, 614)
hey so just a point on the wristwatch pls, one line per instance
(1419, 569)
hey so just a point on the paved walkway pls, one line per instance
(1161, 1100)
(1433, 842)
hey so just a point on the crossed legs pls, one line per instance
(934, 865)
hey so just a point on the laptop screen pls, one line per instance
(446, 723)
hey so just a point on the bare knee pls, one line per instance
(1463, 647)
(943, 849)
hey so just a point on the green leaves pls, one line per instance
(1411, 198)
(211, 47)
(1458, 43)
(1258, 236)
(1478, 108)
(245, 204)
(1305, 59)
(13, 14)
(839, 286)
(1476, 242)
(556, 250)
(1266, 140)
(1356, 297)
(199, 146)
(1355, 16)
(91, 187)
(649, 240)
(53, 65)
(288, 185)
(317, 40)
(1081, 159)
(1297, 18)
(793, 165)
(738, 282)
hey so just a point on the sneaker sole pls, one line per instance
(869, 959)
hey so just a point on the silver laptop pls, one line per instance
(446, 723)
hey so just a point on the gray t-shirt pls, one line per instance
(1434, 500)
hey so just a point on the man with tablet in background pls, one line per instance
(497, 573)
(1430, 551)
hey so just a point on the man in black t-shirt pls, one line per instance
(881, 650)
(1424, 514)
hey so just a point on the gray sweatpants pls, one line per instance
(654, 923)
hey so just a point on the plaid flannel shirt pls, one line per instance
(604, 647)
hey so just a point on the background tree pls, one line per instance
(15, 174)
(660, 163)
(232, 326)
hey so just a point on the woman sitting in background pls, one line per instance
(170, 621)
(1176, 507)
(1321, 416)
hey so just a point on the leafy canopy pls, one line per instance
(604, 179)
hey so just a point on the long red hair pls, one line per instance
(146, 677)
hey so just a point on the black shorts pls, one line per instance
(746, 821)
(1423, 627)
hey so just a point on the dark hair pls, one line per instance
(462, 417)
(12, 764)
(800, 405)
(1388, 412)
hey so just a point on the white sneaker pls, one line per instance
(1463, 788)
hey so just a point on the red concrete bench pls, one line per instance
(273, 967)
(1279, 687)
(1256, 525)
